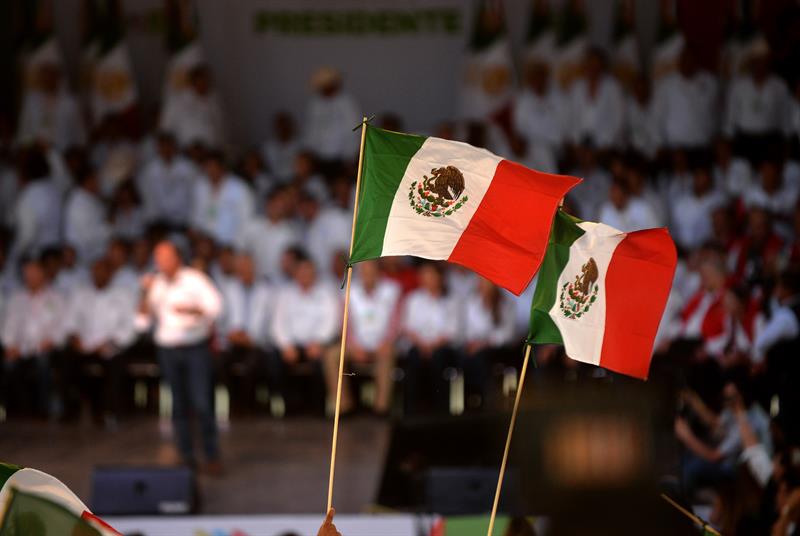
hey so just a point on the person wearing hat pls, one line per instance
(331, 115)
(758, 105)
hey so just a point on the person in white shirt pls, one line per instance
(537, 118)
(330, 230)
(123, 275)
(686, 106)
(732, 174)
(280, 151)
(166, 184)
(641, 132)
(194, 114)
(489, 319)
(330, 117)
(249, 304)
(126, 215)
(596, 182)
(50, 114)
(772, 191)
(37, 214)
(268, 236)
(596, 105)
(430, 324)
(85, 219)
(374, 311)
(691, 213)
(758, 105)
(304, 328)
(626, 213)
(33, 328)
(783, 323)
(66, 274)
(184, 304)
(221, 203)
(100, 327)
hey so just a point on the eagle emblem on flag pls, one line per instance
(577, 296)
(439, 195)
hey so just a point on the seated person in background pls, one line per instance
(430, 324)
(489, 329)
(756, 254)
(249, 305)
(714, 460)
(100, 327)
(691, 212)
(32, 331)
(304, 327)
(374, 307)
(624, 212)
(771, 191)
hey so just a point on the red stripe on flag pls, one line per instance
(507, 237)
(637, 283)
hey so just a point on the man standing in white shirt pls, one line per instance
(222, 202)
(332, 113)
(329, 232)
(100, 327)
(626, 213)
(304, 327)
(184, 305)
(280, 151)
(691, 213)
(194, 115)
(166, 184)
(85, 224)
(537, 118)
(267, 237)
(374, 312)
(248, 309)
(686, 106)
(32, 330)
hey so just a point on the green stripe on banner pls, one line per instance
(30, 515)
(386, 157)
(6, 470)
(564, 233)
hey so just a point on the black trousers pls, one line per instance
(424, 379)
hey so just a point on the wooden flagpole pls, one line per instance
(511, 425)
(344, 320)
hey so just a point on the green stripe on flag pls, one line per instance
(386, 157)
(6, 470)
(31, 515)
(564, 233)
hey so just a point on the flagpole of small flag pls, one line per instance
(697, 520)
(511, 425)
(348, 276)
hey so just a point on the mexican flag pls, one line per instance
(446, 200)
(31, 499)
(601, 293)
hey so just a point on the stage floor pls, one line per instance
(271, 466)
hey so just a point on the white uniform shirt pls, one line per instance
(127, 279)
(372, 314)
(249, 308)
(329, 232)
(189, 288)
(266, 241)
(102, 316)
(600, 119)
(68, 280)
(480, 326)
(753, 109)
(686, 109)
(781, 326)
(302, 318)
(222, 213)
(636, 215)
(191, 117)
(781, 202)
(430, 318)
(32, 319)
(329, 126)
(592, 193)
(37, 217)
(280, 157)
(736, 179)
(56, 120)
(537, 118)
(166, 189)
(641, 132)
(691, 218)
(85, 225)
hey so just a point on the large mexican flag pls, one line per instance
(31, 499)
(601, 293)
(446, 200)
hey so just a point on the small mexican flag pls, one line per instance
(447, 200)
(601, 293)
(33, 502)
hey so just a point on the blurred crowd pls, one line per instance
(713, 155)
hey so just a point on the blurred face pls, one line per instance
(284, 128)
(33, 276)
(759, 67)
(277, 206)
(618, 196)
(303, 167)
(49, 78)
(215, 170)
(141, 253)
(759, 224)
(166, 148)
(201, 82)
(117, 255)
(712, 278)
(430, 279)
(702, 181)
(369, 273)
(770, 177)
(486, 288)
(69, 257)
(252, 164)
(686, 65)
(167, 259)
(245, 269)
(594, 66)
(101, 274)
(538, 78)
(227, 261)
(305, 274)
